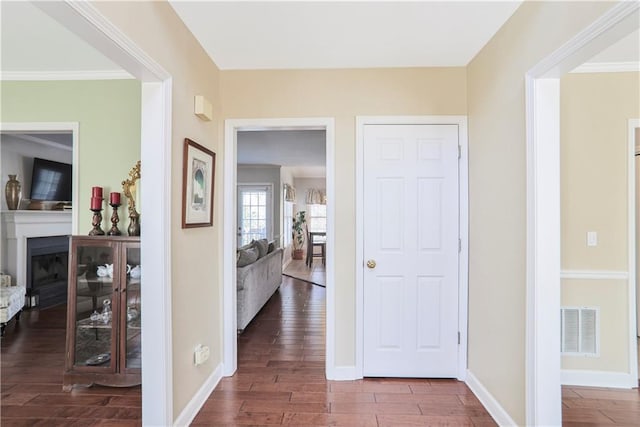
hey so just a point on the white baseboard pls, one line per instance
(343, 373)
(492, 406)
(598, 378)
(191, 410)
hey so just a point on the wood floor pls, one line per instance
(281, 380)
(314, 274)
(31, 364)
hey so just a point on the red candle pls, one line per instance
(96, 203)
(96, 192)
(114, 198)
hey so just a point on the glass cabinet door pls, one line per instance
(131, 342)
(94, 336)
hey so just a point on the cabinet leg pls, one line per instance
(2, 327)
(18, 316)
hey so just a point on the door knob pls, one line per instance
(371, 264)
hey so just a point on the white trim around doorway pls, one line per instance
(463, 266)
(542, 364)
(231, 128)
(83, 19)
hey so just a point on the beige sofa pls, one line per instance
(256, 283)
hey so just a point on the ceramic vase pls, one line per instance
(134, 224)
(13, 193)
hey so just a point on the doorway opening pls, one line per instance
(232, 128)
(543, 370)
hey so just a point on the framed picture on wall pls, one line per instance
(198, 178)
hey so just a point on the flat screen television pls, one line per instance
(50, 181)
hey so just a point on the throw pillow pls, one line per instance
(262, 245)
(246, 257)
(272, 247)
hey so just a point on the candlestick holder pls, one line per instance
(96, 221)
(114, 220)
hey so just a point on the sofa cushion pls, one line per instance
(262, 245)
(246, 256)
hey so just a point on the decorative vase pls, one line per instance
(13, 193)
(134, 224)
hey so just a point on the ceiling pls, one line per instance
(625, 50)
(31, 41)
(304, 150)
(277, 35)
(239, 35)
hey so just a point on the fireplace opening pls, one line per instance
(47, 270)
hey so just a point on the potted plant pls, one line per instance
(298, 235)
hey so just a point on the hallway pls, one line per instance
(281, 380)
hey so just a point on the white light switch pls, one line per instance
(592, 238)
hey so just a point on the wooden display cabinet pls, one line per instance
(103, 348)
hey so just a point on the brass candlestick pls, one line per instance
(96, 221)
(114, 220)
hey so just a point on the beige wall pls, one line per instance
(497, 190)
(594, 150)
(343, 94)
(612, 297)
(196, 253)
(108, 113)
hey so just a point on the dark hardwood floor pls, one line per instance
(31, 365)
(591, 406)
(281, 378)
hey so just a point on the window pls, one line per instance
(317, 217)
(254, 213)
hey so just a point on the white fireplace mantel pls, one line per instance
(18, 226)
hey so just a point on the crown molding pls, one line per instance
(65, 75)
(607, 67)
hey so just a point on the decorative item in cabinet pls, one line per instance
(103, 312)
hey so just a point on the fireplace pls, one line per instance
(47, 266)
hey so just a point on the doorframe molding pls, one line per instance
(542, 103)
(90, 25)
(229, 314)
(463, 226)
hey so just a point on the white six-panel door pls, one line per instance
(411, 239)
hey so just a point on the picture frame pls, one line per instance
(198, 179)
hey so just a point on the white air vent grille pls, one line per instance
(580, 330)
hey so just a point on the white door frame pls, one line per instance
(463, 266)
(543, 391)
(89, 24)
(633, 237)
(231, 128)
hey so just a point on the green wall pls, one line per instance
(108, 113)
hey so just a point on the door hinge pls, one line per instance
(458, 338)
(459, 245)
(459, 152)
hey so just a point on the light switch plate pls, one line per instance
(592, 238)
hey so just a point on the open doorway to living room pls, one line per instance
(263, 169)
(281, 214)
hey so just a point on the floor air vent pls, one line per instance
(580, 331)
